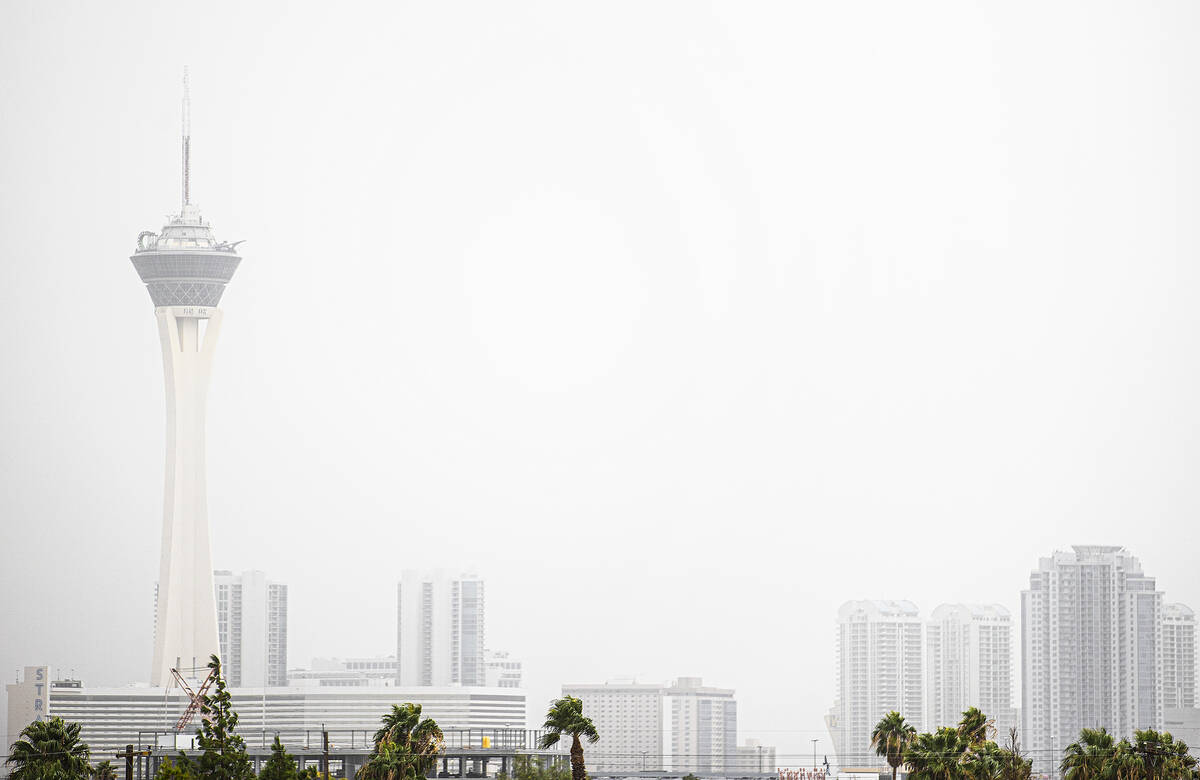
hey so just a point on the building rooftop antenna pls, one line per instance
(187, 137)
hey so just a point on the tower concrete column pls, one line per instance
(186, 627)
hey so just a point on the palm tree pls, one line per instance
(49, 750)
(398, 723)
(406, 746)
(938, 756)
(565, 716)
(1160, 756)
(1088, 758)
(1124, 763)
(389, 762)
(404, 726)
(104, 771)
(985, 761)
(891, 738)
(974, 726)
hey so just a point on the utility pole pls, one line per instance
(128, 756)
(325, 750)
(128, 753)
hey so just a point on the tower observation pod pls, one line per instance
(185, 270)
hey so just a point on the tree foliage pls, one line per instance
(49, 750)
(280, 766)
(891, 737)
(938, 755)
(104, 771)
(1089, 757)
(406, 746)
(964, 752)
(178, 768)
(1152, 755)
(535, 768)
(1013, 763)
(222, 751)
(565, 717)
(975, 727)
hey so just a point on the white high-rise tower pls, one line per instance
(879, 670)
(1091, 634)
(439, 625)
(968, 663)
(185, 270)
(252, 614)
(1179, 657)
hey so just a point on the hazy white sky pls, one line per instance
(680, 323)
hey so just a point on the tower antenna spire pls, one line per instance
(187, 137)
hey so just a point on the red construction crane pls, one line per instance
(196, 697)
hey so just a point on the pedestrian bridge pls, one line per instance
(466, 753)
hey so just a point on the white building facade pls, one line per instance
(375, 672)
(111, 718)
(879, 670)
(629, 717)
(699, 726)
(1179, 657)
(682, 727)
(752, 757)
(252, 616)
(1092, 649)
(440, 629)
(969, 663)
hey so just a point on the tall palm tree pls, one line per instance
(565, 716)
(974, 726)
(49, 750)
(938, 756)
(891, 738)
(1088, 757)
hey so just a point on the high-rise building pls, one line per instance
(968, 663)
(1092, 650)
(682, 727)
(185, 270)
(252, 629)
(1179, 657)
(879, 670)
(439, 636)
(701, 722)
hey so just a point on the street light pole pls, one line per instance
(814, 753)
